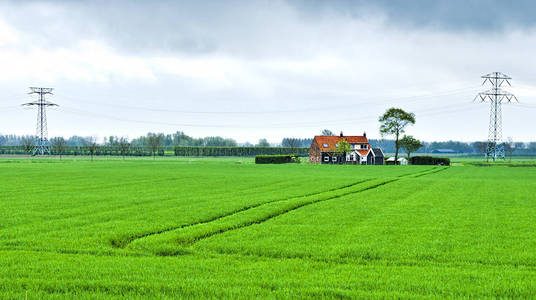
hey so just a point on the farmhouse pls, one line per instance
(324, 150)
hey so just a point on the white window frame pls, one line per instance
(325, 145)
(326, 158)
(334, 158)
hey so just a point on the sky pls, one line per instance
(265, 69)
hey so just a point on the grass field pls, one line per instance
(229, 228)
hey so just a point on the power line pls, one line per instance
(455, 108)
(334, 107)
(496, 95)
(42, 144)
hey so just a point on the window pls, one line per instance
(336, 145)
(364, 146)
(325, 145)
(335, 159)
(326, 158)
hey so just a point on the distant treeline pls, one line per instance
(179, 138)
(520, 148)
(100, 150)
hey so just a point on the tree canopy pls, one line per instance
(343, 146)
(59, 145)
(327, 132)
(394, 122)
(263, 143)
(410, 144)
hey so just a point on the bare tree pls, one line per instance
(520, 145)
(291, 143)
(59, 145)
(327, 132)
(155, 142)
(91, 145)
(27, 144)
(509, 147)
(124, 146)
(480, 147)
(263, 143)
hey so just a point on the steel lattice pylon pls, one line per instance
(41, 143)
(496, 95)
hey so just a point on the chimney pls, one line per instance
(341, 133)
(364, 134)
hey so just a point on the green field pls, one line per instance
(229, 228)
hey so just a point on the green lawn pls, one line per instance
(225, 227)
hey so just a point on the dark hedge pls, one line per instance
(430, 160)
(276, 159)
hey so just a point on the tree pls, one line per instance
(532, 147)
(327, 132)
(410, 144)
(58, 144)
(27, 144)
(112, 141)
(480, 147)
(519, 145)
(263, 143)
(91, 144)
(509, 147)
(343, 147)
(291, 143)
(394, 122)
(124, 146)
(155, 142)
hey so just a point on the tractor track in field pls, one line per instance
(125, 243)
(300, 205)
(121, 244)
(280, 213)
(437, 170)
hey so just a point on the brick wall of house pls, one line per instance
(314, 153)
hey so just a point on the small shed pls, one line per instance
(401, 161)
(378, 156)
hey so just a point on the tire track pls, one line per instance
(277, 214)
(122, 243)
(436, 170)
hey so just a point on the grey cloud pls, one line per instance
(245, 28)
(471, 15)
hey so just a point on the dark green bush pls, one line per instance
(276, 159)
(429, 160)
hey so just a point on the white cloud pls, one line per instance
(340, 70)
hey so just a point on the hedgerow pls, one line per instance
(164, 151)
(276, 159)
(430, 160)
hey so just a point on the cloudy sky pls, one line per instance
(265, 69)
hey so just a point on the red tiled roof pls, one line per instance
(332, 140)
(363, 152)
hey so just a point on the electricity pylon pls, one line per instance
(496, 97)
(41, 143)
